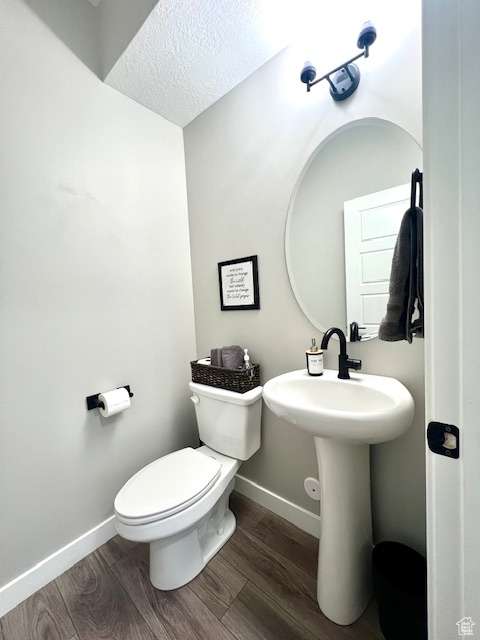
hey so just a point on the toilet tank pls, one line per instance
(228, 422)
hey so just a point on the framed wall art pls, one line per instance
(238, 280)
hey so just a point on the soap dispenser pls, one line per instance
(247, 364)
(314, 360)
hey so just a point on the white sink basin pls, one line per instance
(345, 417)
(364, 409)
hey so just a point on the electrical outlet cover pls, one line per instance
(312, 488)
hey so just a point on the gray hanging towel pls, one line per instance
(416, 280)
(406, 278)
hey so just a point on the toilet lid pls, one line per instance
(167, 486)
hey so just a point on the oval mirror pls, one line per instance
(360, 159)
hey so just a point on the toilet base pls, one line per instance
(176, 561)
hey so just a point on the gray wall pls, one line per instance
(97, 35)
(96, 292)
(76, 23)
(243, 157)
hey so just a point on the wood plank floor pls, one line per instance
(260, 586)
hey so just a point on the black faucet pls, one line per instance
(344, 362)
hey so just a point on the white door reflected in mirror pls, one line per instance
(371, 225)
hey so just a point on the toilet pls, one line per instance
(179, 503)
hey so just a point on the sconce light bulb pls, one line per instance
(367, 35)
(308, 72)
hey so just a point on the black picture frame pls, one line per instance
(238, 281)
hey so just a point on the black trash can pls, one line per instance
(400, 586)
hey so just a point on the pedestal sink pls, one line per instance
(344, 417)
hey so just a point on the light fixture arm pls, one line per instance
(341, 66)
(346, 77)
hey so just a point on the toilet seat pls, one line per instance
(166, 486)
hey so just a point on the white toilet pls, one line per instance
(179, 503)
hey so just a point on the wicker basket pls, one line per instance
(222, 378)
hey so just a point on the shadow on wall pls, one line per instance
(77, 24)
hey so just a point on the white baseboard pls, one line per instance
(300, 517)
(47, 570)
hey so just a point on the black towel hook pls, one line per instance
(417, 178)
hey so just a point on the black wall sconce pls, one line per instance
(346, 77)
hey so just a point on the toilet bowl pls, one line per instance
(179, 503)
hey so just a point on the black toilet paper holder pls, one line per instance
(94, 403)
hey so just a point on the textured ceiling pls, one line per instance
(189, 53)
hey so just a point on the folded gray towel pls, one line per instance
(406, 282)
(216, 357)
(232, 357)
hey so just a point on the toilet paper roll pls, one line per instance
(114, 401)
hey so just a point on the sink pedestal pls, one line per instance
(345, 417)
(344, 559)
